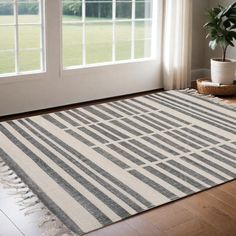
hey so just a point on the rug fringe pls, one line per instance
(209, 97)
(30, 203)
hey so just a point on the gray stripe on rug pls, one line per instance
(91, 164)
(41, 194)
(191, 113)
(102, 218)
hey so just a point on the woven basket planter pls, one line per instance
(221, 90)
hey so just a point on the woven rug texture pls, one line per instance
(96, 165)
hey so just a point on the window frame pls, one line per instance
(56, 87)
(22, 75)
(66, 69)
(53, 48)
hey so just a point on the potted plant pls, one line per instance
(221, 27)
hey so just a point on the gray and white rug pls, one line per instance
(97, 165)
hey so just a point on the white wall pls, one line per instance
(199, 34)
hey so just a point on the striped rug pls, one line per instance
(96, 165)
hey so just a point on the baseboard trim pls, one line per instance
(72, 106)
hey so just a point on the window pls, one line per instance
(21, 36)
(98, 31)
(94, 50)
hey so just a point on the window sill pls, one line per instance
(73, 70)
(14, 78)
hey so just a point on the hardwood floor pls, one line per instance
(209, 213)
(13, 222)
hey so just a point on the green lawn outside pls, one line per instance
(98, 47)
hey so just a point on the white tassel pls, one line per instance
(25, 200)
(13, 185)
(210, 97)
(34, 210)
(47, 220)
(6, 172)
(19, 192)
(29, 202)
(63, 232)
(58, 232)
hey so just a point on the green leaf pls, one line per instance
(230, 43)
(208, 24)
(228, 10)
(221, 26)
(233, 27)
(232, 19)
(227, 23)
(213, 44)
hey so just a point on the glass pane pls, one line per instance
(99, 35)
(142, 48)
(143, 30)
(6, 13)
(99, 10)
(143, 33)
(143, 9)
(94, 31)
(124, 9)
(123, 50)
(29, 60)
(71, 18)
(123, 40)
(7, 37)
(123, 31)
(98, 53)
(98, 49)
(7, 62)
(29, 36)
(72, 10)
(72, 45)
(28, 12)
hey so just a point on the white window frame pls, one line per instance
(53, 47)
(113, 21)
(58, 87)
(22, 75)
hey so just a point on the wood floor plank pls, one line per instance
(229, 188)
(7, 228)
(28, 225)
(193, 227)
(118, 229)
(145, 227)
(165, 217)
(223, 196)
(106, 231)
(212, 232)
(230, 100)
(210, 212)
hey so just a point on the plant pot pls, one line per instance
(223, 72)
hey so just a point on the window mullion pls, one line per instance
(133, 30)
(84, 31)
(113, 30)
(16, 37)
(42, 30)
